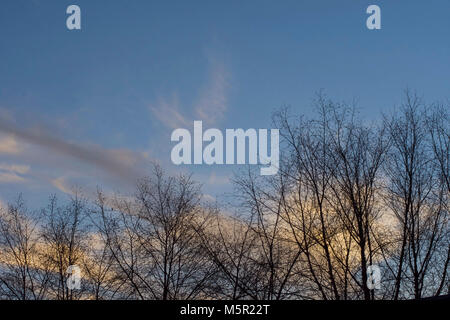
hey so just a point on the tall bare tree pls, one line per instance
(154, 239)
(23, 275)
(63, 233)
(417, 196)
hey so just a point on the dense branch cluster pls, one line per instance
(348, 195)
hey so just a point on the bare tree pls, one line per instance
(229, 242)
(23, 275)
(306, 208)
(417, 196)
(333, 170)
(154, 239)
(438, 123)
(274, 254)
(63, 234)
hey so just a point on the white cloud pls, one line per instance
(9, 145)
(21, 169)
(208, 198)
(121, 164)
(10, 177)
(61, 185)
(11, 173)
(49, 156)
(210, 106)
(214, 179)
(168, 113)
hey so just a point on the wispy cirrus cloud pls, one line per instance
(61, 184)
(210, 106)
(167, 111)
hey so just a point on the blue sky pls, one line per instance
(137, 69)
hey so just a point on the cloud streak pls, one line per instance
(121, 164)
(168, 113)
(212, 104)
(60, 184)
(209, 107)
(12, 173)
(14, 168)
(10, 177)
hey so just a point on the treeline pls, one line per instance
(348, 195)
